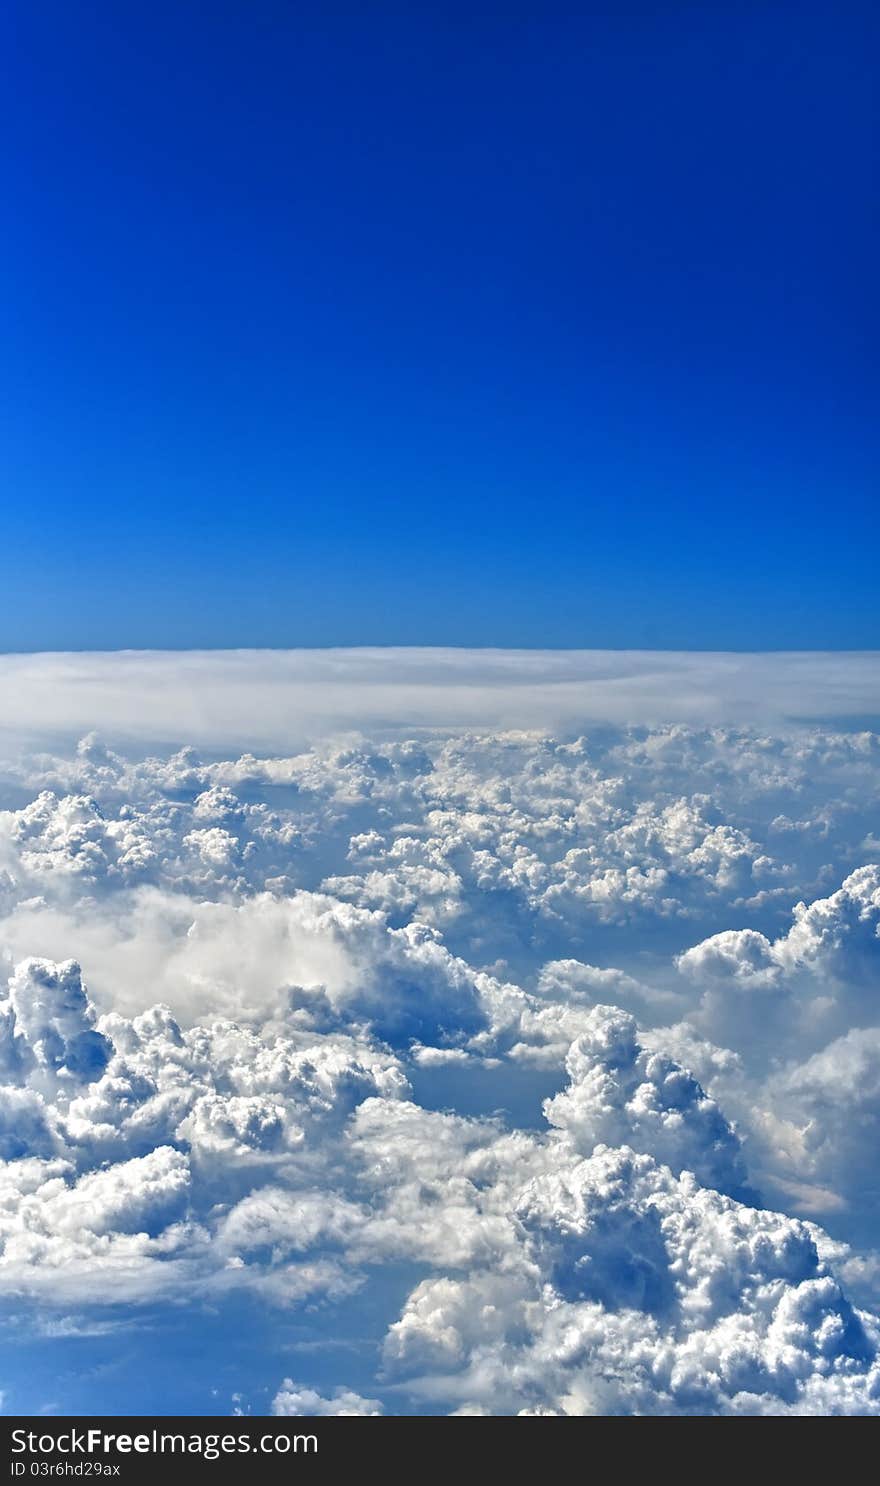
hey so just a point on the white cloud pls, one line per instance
(801, 988)
(648, 1295)
(621, 1093)
(519, 1024)
(48, 1026)
(264, 698)
(293, 1399)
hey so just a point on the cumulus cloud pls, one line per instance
(640, 1292)
(48, 1027)
(820, 1118)
(292, 1399)
(621, 1093)
(549, 1062)
(801, 987)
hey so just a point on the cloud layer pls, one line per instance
(558, 1053)
(269, 699)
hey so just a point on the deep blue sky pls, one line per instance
(544, 325)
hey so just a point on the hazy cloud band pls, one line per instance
(261, 698)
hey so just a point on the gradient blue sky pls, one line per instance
(544, 325)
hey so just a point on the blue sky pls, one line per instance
(424, 327)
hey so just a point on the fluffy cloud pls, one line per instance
(47, 1024)
(801, 988)
(621, 1093)
(647, 1294)
(821, 1120)
(292, 1399)
(522, 1053)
